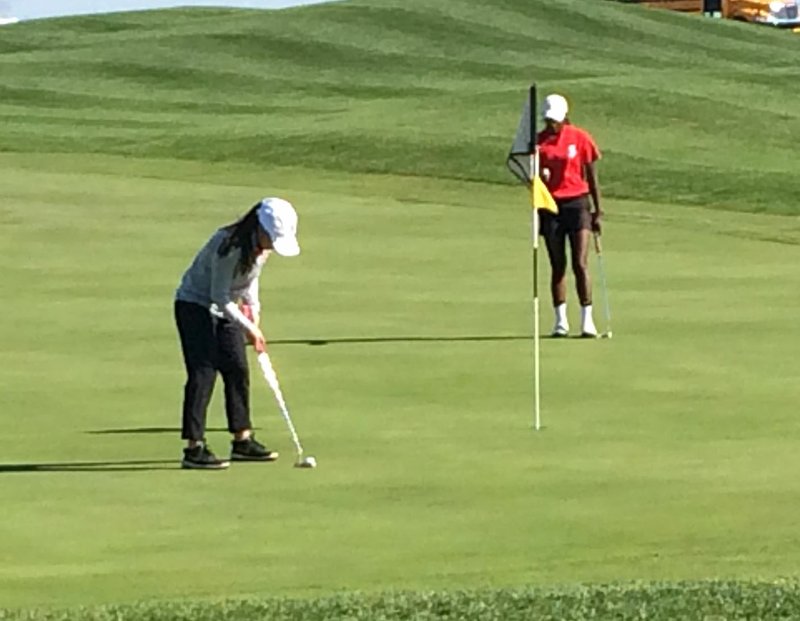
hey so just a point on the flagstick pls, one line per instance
(534, 168)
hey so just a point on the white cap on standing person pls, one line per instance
(279, 220)
(555, 108)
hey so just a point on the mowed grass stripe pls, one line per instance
(355, 82)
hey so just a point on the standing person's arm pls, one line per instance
(590, 171)
(250, 297)
(222, 269)
(590, 154)
(251, 307)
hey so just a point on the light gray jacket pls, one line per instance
(216, 283)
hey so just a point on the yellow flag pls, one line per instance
(541, 197)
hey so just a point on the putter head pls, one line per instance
(306, 462)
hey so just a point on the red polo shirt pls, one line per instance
(565, 153)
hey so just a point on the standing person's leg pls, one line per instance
(580, 235)
(579, 255)
(232, 364)
(555, 241)
(196, 330)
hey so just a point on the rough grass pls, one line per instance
(686, 601)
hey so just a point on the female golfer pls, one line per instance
(567, 156)
(210, 325)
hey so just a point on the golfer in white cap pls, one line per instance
(210, 324)
(567, 156)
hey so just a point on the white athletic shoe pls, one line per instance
(589, 331)
(560, 330)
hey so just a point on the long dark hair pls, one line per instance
(243, 235)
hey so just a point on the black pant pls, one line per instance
(210, 345)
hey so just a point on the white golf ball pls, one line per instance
(307, 462)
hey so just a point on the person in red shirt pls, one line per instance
(567, 156)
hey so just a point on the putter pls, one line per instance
(606, 307)
(268, 371)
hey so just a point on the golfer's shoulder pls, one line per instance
(210, 250)
(577, 132)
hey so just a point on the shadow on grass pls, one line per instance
(423, 339)
(93, 466)
(130, 430)
(574, 337)
(399, 339)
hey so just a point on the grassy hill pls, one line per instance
(419, 88)
(402, 333)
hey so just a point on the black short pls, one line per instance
(573, 216)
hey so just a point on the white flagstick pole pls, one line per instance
(534, 168)
(535, 232)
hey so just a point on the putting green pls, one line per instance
(667, 453)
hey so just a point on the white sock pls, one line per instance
(586, 316)
(561, 314)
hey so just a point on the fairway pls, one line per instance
(401, 334)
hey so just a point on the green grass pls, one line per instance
(401, 335)
(419, 88)
(676, 460)
(686, 601)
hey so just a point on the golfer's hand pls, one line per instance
(597, 226)
(257, 339)
(247, 311)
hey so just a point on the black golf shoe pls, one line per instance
(201, 457)
(251, 450)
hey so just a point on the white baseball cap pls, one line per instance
(555, 108)
(279, 220)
